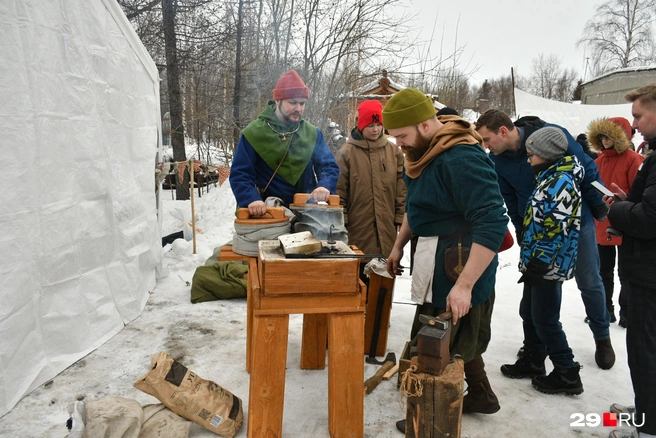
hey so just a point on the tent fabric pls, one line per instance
(79, 230)
(574, 118)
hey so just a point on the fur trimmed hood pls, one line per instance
(610, 129)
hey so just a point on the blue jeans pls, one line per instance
(540, 312)
(589, 281)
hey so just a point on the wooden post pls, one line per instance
(193, 213)
(437, 412)
(313, 342)
(267, 387)
(345, 372)
(377, 318)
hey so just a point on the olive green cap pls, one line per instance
(408, 107)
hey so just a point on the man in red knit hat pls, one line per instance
(280, 154)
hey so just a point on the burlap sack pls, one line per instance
(192, 397)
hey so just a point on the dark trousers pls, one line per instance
(641, 352)
(540, 313)
(607, 255)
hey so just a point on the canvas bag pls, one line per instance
(192, 397)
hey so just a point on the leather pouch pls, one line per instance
(454, 260)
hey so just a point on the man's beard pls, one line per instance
(286, 117)
(415, 153)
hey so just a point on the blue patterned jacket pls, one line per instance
(552, 221)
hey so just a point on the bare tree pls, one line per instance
(175, 100)
(550, 80)
(621, 35)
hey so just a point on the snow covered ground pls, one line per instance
(209, 338)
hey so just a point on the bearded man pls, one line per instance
(280, 154)
(452, 198)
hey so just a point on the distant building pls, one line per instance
(382, 89)
(610, 88)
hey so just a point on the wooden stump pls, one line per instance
(437, 412)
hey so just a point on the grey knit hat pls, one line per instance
(548, 143)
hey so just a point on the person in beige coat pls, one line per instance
(370, 184)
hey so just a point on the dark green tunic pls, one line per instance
(458, 192)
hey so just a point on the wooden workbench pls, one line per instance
(325, 290)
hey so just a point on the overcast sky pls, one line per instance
(502, 34)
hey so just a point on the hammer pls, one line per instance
(372, 382)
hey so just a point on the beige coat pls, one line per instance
(371, 189)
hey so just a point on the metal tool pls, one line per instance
(433, 343)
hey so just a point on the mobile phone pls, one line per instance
(601, 189)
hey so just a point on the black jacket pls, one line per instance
(636, 218)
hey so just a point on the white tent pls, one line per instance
(575, 118)
(79, 235)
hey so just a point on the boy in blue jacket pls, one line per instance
(549, 244)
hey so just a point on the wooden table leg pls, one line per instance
(346, 375)
(252, 289)
(268, 366)
(313, 342)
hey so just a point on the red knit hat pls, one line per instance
(624, 124)
(369, 111)
(289, 86)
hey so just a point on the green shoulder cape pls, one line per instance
(265, 134)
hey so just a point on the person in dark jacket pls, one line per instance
(453, 194)
(280, 154)
(507, 143)
(635, 216)
(582, 139)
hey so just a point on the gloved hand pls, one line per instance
(534, 274)
(599, 212)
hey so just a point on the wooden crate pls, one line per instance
(281, 276)
(404, 363)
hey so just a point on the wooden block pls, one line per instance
(300, 199)
(271, 213)
(299, 243)
(377, 286)
(345, 375)
(437, 413)
(226, 254)
(313, 342)
(267, 385)
(388, 375)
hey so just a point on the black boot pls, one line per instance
(604, 354)
(479, 398)
(400, 425)
(560, 381)
(531, 364)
